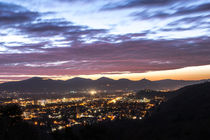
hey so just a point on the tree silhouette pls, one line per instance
(11, 111)
(13, 127)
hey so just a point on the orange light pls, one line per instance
(35, 123)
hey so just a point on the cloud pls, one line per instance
(132, 56)
(26, 31)
(48, 64)
(11, 15)
(182, 10)
(136, 3)
(152, 38)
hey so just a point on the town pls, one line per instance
(58, 113)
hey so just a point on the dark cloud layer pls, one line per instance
(133, 56)
(10, 15)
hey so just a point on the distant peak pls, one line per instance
(36, 78)
(104, 78)
(144, 79)
(75, 78)
(78, 79)
(124, 79)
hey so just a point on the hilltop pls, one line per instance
(37, 84)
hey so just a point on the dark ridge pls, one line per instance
(37, 84)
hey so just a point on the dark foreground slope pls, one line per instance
(12, 127)
(184, 117)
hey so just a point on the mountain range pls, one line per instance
(37, 84)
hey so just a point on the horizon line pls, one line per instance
(47, 78)
(186, 73)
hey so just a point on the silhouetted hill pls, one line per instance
(185, 116)
(105, 79)
(34, 84)
(13, 127)
(78, 84)
(37, 84)
(191, 102)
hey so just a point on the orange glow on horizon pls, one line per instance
(187, 73)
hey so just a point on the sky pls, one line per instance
(134, 39)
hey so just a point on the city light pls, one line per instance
(82, 111)
(93, 92)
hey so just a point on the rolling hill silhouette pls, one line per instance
(185, 116)
(37, 84)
